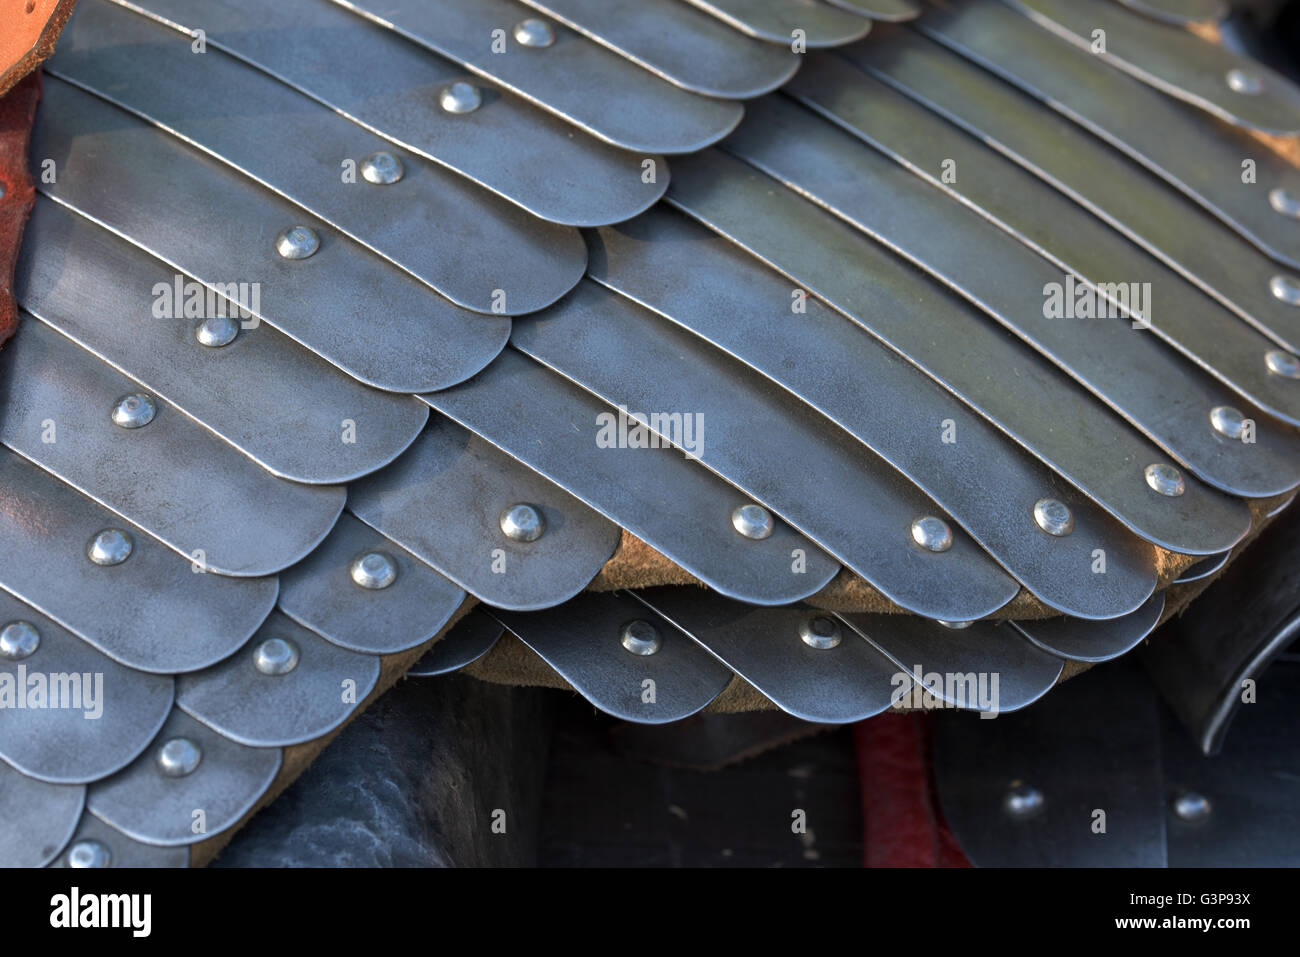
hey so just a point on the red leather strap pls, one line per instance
(17, 109)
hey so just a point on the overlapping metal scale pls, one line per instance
(719, 367)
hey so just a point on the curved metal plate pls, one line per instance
(1181, 12)
(817, 477)
(1203, 569)
(777, 21)
(1204, 160)
(284, 407)
(1097, 453)
(1174, 61)
(443, 500)
(277, 710)
(886, 10)
(679, 509)
(849, 682)
(320, 593)
(390, 86)
(206, 220)
(714, 289)
(155, 808)
(1093, 640)
(44, 528)
(469, 640)
(484, 246)
(170, 477)
(38, 818)
(985, 667)
(616, 101)
(581, 641)
(69, 714)
(122, 850)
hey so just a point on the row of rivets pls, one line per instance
(1024, 801)
(19, 640)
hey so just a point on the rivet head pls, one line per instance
(112, 546)
(1023, 802)
(382, 168)
(522, 523)
(640, 637)
(1285, 289)
(373, 570)
(89, 854)
(179, 757)
(1227, 421)
(534, 33)
(1244, 81)
(1192, 807)
(460, 97)
(753, 521)
(19, 640)
(1284, 201)
(819, 632)
(1282, 363)
(955, 625)
(134, 411)
(1165, 479)
(1054, 517)
(297, 242)
(931, 533)
(276, 656)
(216, 331)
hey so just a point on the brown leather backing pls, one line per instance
(28, 29)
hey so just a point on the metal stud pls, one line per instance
(1284, 201)
(460, 97)
(955, 625)
(1192, 807)
(820, 632)
(276, 656)
(1054, 517)
(373, 570)
(534, 33)
(1227, 421)
(1286, 289)
(753, 521)
(216, 331)
(1023, 802)
(522, 523)
(640, 637)
(297, 242)
(932, 534)
(112, 546)
(1244, 82)
(382, 168)
(19, 640)
(1282, 363)
(179, 757)
(89, 854)
(1165, 479)
(134, 410)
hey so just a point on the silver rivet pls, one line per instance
(373, 570)
(819, 632)
(1192, 807)
(534, 33)
(1227, 421)
(382, 168)
(112, 546)
(932, 534)
(19, 640)
(522, 523)
(297, 242)
(179, 757)
(134, 411)
(640, 637)
(1243, 81)
(89, 854)
(1022, 802)
(1165, 479)
(275, 656)
(753, 521)
(1054, 517)
(1284, 201)
(460, 97)
(955, 625)
(1285, 289)
(216, 331)
(1282, 363)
